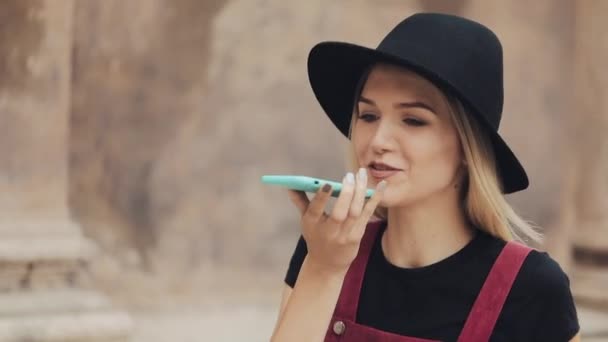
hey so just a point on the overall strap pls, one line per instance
(348, 301)
(494, 292)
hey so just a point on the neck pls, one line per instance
(421, 235)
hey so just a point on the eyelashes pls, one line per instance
(414, 122)
(367, 117)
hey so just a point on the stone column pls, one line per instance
(43, 294)
(590, 196)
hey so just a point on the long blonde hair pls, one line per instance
(483, 201)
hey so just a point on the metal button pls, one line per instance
(339, 328)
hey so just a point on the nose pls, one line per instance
(383, 139)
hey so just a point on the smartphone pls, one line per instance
(307, 184)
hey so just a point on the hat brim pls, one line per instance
(335, 70)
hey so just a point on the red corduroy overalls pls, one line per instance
(481, 319)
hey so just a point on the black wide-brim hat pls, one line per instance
(459, 56)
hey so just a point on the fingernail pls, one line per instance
(381, 185)
(326, 187)
(350, 178)
(362, 174)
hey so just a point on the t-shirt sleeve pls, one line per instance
(558, 319)
(297, 259)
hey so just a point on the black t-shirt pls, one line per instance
(433, 302)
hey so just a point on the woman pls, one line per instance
(422, 112)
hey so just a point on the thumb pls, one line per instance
(300, 200)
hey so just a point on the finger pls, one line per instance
(370, 206)
(342, 205)
(316, 208)
(300, 200)
(356, 206)
(368, 209)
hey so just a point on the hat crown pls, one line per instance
(461, 57)
(462, 53)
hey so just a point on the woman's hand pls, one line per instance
(333, 240)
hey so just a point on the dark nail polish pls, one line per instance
(326, 187)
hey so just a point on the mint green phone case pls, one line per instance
(307, 184)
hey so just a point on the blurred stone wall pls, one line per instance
(585, 204)
(179, 107)
(138, 89)
(170, 111)
(537, 43)
(176, 115)
(34, 100)
(45, 293)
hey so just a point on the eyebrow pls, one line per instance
(414, 104)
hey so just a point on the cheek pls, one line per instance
(438, 158)
(360, 144)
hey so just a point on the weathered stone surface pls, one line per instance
(61, 315)
(589, 193)
(589, 285)
(89, 327)
(593, 325)
(34, 100)
(205, 120)
(591, 94)
(536, 40)
(178, 107)
(178, 110)
(199, 146)
(49, 301)
(41, 248)
(19, 20)
(139, 85)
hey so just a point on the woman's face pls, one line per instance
(403, 122)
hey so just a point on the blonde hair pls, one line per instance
(483, 200)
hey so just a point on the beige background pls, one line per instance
(147, 124)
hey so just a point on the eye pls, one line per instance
(367, 117)
(414, 122)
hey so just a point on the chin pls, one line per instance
(393, 198)
(405, 195)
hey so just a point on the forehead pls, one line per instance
(387, 79)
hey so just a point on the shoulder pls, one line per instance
(543, 275)
(539, 273)
(541, 300)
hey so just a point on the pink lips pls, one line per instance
(382, 174)
(386, 171)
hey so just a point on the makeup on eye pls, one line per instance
(414, 122)
(400, 105)
(367, 117)
(408, 120)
